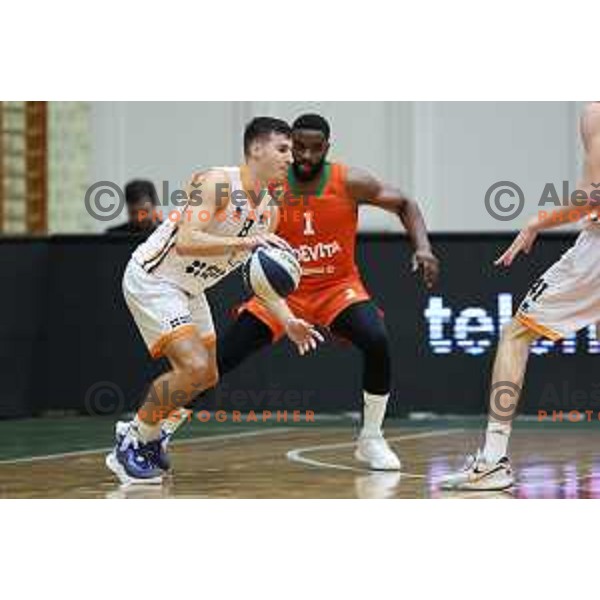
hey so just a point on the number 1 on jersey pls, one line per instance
(308, 223)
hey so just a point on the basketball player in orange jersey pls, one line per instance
(166, 279)
(319, 213)
(564, 300)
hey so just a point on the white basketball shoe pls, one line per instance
(478, 475)
(375, 452)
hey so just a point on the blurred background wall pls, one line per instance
(446, 154)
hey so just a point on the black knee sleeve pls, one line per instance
(376, 376)
(245, 337)
(363, 325)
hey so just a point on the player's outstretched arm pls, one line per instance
(302, 333)
(574, 211)
(366, 189)
(527, 236)
(209, 196)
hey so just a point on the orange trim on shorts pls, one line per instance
(183, 331)
(538, 327)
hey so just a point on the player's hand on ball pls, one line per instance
(274, 240)
(253, 241)
(267, 239)
(522, 243)
(428, 264)
(303, 334)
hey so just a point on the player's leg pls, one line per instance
(164, 318)
(564, 300)
(194, 368)
(505, 392)
(246, 336)
(362, 324)
(490, 468)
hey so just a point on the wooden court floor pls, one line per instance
(317, 462)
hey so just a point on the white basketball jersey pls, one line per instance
(194, 274)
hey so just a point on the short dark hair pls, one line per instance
(314, 122)
(261, 127)
(138, 189)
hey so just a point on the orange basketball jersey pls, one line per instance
(321, 227)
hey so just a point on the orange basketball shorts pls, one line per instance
(318, 305)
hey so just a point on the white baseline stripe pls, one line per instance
(296, 455)
(200, 440)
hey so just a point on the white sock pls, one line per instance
(147, 432)
(176, 419)
(496, 441)
(373, 413)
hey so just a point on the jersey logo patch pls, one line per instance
(177, 321)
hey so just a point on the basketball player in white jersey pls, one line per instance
(165, 281)
(565, 299)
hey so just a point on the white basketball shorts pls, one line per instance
(163, 312)
(566, 298)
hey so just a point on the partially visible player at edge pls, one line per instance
(321, 224)
(564, 300)
(165, 281)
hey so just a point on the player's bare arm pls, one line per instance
(192, 238)
(366, 189)
(573, 211)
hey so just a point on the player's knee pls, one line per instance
(377, 345)
(199, 372)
